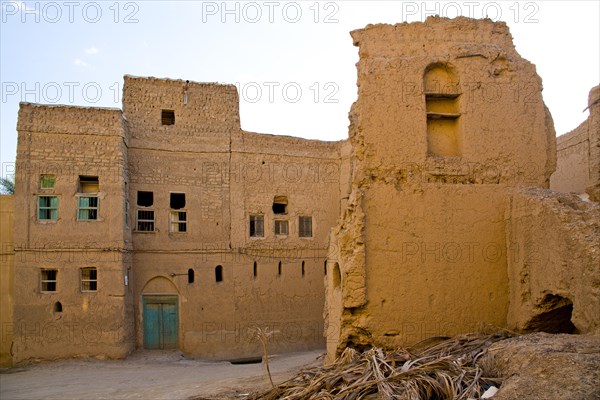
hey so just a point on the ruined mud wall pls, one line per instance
(7, 270)
(67, 143)
(578, 154)
(554, 242)
(448, 117)
(572, 149)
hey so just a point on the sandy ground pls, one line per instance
(147, 375)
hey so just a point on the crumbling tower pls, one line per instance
(449, 118)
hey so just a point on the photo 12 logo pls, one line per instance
(60, 92)
(270, 11)
(517, 11)
(289, 92)
(53, 12)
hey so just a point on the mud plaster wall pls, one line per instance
(68, 142)
(554, 242)
(7, 270)
(421, 244)
(578, 154)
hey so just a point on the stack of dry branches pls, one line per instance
(440, 368)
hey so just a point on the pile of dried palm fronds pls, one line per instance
(439, 368)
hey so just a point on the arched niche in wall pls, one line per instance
(337, 276)
(442, 90)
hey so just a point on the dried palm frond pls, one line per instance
(438, 368)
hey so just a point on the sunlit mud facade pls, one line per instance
(164, 225)
(7, 270)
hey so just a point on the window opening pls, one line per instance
(145, 199)
(47, 181)
(257, 226)
(47, 208)
(280, 205)
(49, 280)
(167, 117)
(281, 227)
(89, 184)
(89, 279)
(177, 201)
(179, 221)
(305, 226)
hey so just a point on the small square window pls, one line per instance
(47, 208)
(145, 199)
(178, 221)
(281, 228)
(48, 280)
(177, 201)
(47, 181)
(257, 226)
(145, 220)
(89, 184)
(167, 117)
(87, 208)
(280, 205)
(89, 280)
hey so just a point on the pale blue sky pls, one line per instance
(76, 52)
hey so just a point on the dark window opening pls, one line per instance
(57, 307)
(325, 267)
(88, 184)
(279, 268)
(303, 272)
(280, 205)
(177, 201)
(190, 275)
(145, 199)
(255, 269)
(49, 280)
(219, 273)
(167, 117)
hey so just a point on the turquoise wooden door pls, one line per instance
(160, 322)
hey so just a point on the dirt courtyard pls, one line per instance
(147, 375)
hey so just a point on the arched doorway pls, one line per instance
(160, 314)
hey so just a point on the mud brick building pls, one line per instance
(164, 225)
